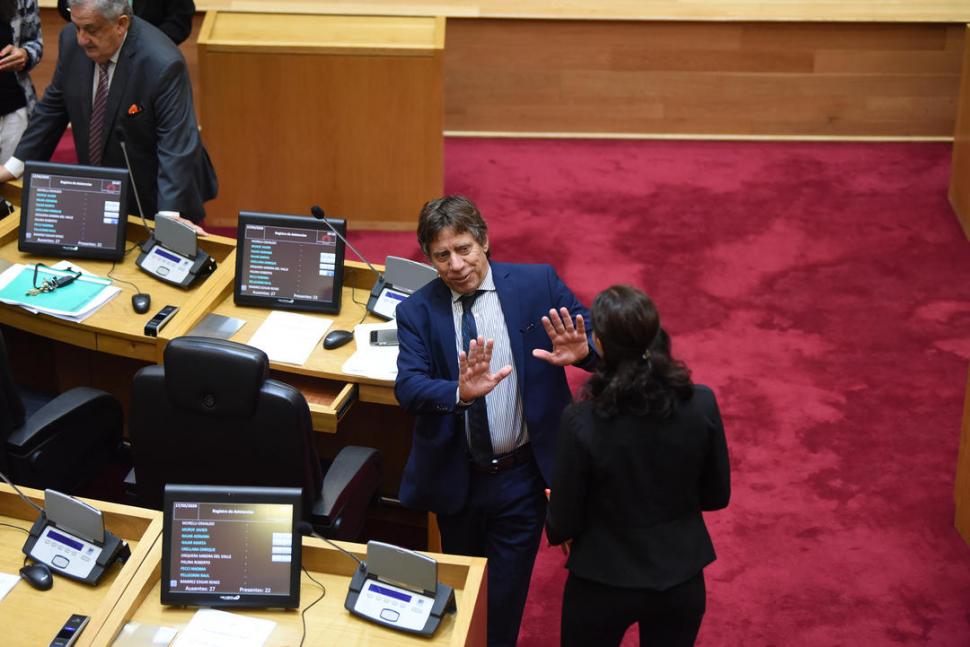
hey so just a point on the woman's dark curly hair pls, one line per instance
(636, 374)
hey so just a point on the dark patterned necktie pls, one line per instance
(98, 111)
(479, 437)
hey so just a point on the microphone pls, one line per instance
(319, 215)
(120, 134)
(307, 530)
(22, 495)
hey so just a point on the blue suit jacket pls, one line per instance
(437, 471)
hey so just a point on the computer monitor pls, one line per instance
(289, 262)
(71, 211)
(228, 546)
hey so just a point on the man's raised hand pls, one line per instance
(569, 342)
(475, 378)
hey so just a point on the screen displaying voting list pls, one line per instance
(288, 263)
(231, 548)
(68, 210)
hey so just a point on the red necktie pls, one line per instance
(98, 111)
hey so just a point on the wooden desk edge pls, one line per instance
(131, 596)
(121, 589)
(209, 42)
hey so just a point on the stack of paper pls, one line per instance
(377, 362)
(75, 302)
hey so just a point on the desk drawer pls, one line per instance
(329, 400)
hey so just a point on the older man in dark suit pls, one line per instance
(119, 77)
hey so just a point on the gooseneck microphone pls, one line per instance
(319, 215)
(120, 134)
(307, 530)
(22, 495)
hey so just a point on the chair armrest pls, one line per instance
(71, 412)
(348, 486)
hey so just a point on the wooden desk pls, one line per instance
(116, 329)
(108, 348)
(329, 391)
(961, 493)
(341, 111)
(960, 168)
(328, 623)
(29, 617)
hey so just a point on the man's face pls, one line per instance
(461, 262)
(99, 37)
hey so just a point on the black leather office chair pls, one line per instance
(210, 416)
(57, 442)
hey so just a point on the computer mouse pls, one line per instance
(141, 302)
(337, 338)
(38, 576)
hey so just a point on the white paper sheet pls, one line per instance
(289, 337)
(7, 582)
(377, 362)
(135, 634)
(213, 628)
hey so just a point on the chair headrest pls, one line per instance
(214, 376)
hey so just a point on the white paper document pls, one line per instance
(7, 582)
(289, 337)
(376, 362)
(213, 628)
(136, 634)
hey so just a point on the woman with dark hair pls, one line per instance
(638, 459)
(21, 47)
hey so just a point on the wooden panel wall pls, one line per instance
(960, 168)
(684, 78)
(360, 135)
(704, 78)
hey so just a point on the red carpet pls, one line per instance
(822, 290)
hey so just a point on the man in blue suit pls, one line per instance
(484, 440)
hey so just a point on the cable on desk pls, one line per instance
(115, 278)
(10, 525)
(353, 297)
(323, 592)
(23, 530)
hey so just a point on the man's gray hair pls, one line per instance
(110, 9)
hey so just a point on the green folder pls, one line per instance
(70, 299)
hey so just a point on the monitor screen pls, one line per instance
(71, 211)
(231, 546)
(289, 262)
